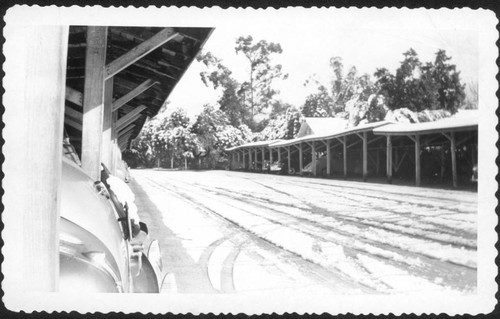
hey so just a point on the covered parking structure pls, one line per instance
(252, 156)
(99, 85)
(438, 152)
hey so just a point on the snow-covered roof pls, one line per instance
(333, 133)
(320, 125)
(461, 121)
(253, 144)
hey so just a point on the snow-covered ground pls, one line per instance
(257, 231)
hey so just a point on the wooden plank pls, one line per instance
(162, 37)
(365, 156)
(35, 69)
(131, 116)
(93, 101)
(417, 160)
(328, 158)
(132, 94)
(107, 138)
(389, 159)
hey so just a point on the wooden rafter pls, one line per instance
(132, 94)
(126, 130)
(162, 37)
(130, 117)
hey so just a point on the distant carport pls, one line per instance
(456, 135)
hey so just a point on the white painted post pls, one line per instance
(35, 78)
(107, 134)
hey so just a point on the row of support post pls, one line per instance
(364, 139)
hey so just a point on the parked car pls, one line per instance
(321, 163)
(276, 167)
(100, 251)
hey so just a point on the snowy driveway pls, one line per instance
(231, 232)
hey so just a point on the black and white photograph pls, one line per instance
(209, 160)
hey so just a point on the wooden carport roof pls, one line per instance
(145, 64)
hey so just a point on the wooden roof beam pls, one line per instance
(140, 51)
(132, 94)
(130, 117)
(125, 131)
(69, 112)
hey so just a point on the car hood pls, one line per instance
(83, 206)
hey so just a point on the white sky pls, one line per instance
(310, 38)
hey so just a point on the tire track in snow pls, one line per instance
(322, 276)
(434, 264)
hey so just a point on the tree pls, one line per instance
(318, 104)
(262, 73)
(417, 86)
(214, 135)
(346, 91)
(231, 101)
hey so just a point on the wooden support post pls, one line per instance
(389, 159)
(93, 101)
(289, 159)
(35, 75)
(270, 156)
(239, 159)
(114, 134)
(255, 158)
(344, 154)
(313, 158)
(185, 163)
(453, 150)
(300, 158)
(107, 138)
(279, 155)
(172, 162)
(263, 157)
(244, 160)
(417, 160)
(328, 159)
(365, 156)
